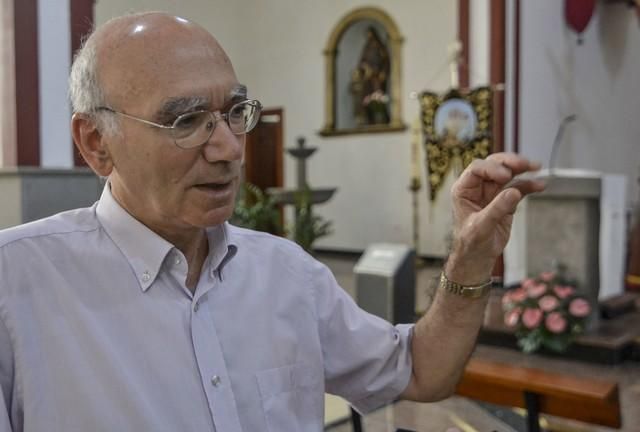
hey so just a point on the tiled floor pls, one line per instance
(461, 415)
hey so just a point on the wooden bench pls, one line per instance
(585, 399)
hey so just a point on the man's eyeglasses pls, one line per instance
(193, 129)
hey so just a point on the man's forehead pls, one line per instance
(188, 82)
(157, 50)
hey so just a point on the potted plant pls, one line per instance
(257, 210)
(308, 227)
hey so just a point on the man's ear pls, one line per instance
(91, 143)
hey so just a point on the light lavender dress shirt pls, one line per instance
(98, 332)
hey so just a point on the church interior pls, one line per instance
(371, 111)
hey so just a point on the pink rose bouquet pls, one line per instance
(545, 311)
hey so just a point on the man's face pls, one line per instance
(157, 78)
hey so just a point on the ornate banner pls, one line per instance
(456, 124)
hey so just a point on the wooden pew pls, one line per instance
(585, 399)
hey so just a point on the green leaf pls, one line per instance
(530, 341)
(557, 343)
(257, 210)
(308, 227)
(529, 345)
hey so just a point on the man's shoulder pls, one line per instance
(264, 251)
(68, 222)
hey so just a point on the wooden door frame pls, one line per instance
(279, 146)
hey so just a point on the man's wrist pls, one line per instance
(468, 272)
(467, 291)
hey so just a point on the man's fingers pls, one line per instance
(503, 205)
(487, 169)
(500, 168)
(526, 186)
(517, 164)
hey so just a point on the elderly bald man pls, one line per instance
(149, 312)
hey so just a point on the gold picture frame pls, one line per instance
(331, 126)
(457, 124)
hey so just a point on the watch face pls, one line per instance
(472, 292)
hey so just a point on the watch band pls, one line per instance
(472, 292)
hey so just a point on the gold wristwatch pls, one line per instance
(472, 292)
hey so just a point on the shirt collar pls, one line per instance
(145, 250)
(221, 249)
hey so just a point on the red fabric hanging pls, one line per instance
(578, 13)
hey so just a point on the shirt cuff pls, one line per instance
(401, 379)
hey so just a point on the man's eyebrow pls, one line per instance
(176, 106)
(238, 92)
(173, 107)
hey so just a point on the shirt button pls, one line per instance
(177, 261)
(196, 307)
(146, 276)
(215, 380)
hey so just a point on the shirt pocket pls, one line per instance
(292, 398)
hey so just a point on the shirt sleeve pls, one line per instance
(367, 360)
(6, 378)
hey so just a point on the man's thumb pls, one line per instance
(504, 204)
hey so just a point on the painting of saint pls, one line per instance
(455, 123)
(369, 82)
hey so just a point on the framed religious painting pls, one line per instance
(362, 64)
(457, 124)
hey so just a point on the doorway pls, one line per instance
(264, 149)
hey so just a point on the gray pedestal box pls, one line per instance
(27, 193)
(385, 282)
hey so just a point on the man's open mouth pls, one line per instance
(214, 186)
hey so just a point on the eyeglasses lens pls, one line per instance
(244, 116)
(194, 129)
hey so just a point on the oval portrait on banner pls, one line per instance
(455, 122)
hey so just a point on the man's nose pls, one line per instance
(224, 145)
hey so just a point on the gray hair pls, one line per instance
(85, 91)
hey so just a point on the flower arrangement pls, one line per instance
(545, 311)
(375, 105)
(378, 97)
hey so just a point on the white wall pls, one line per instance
(276, 48)
(7, 85)
(54, 58)
(4, 66)
(598, 81)
(479, 42)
